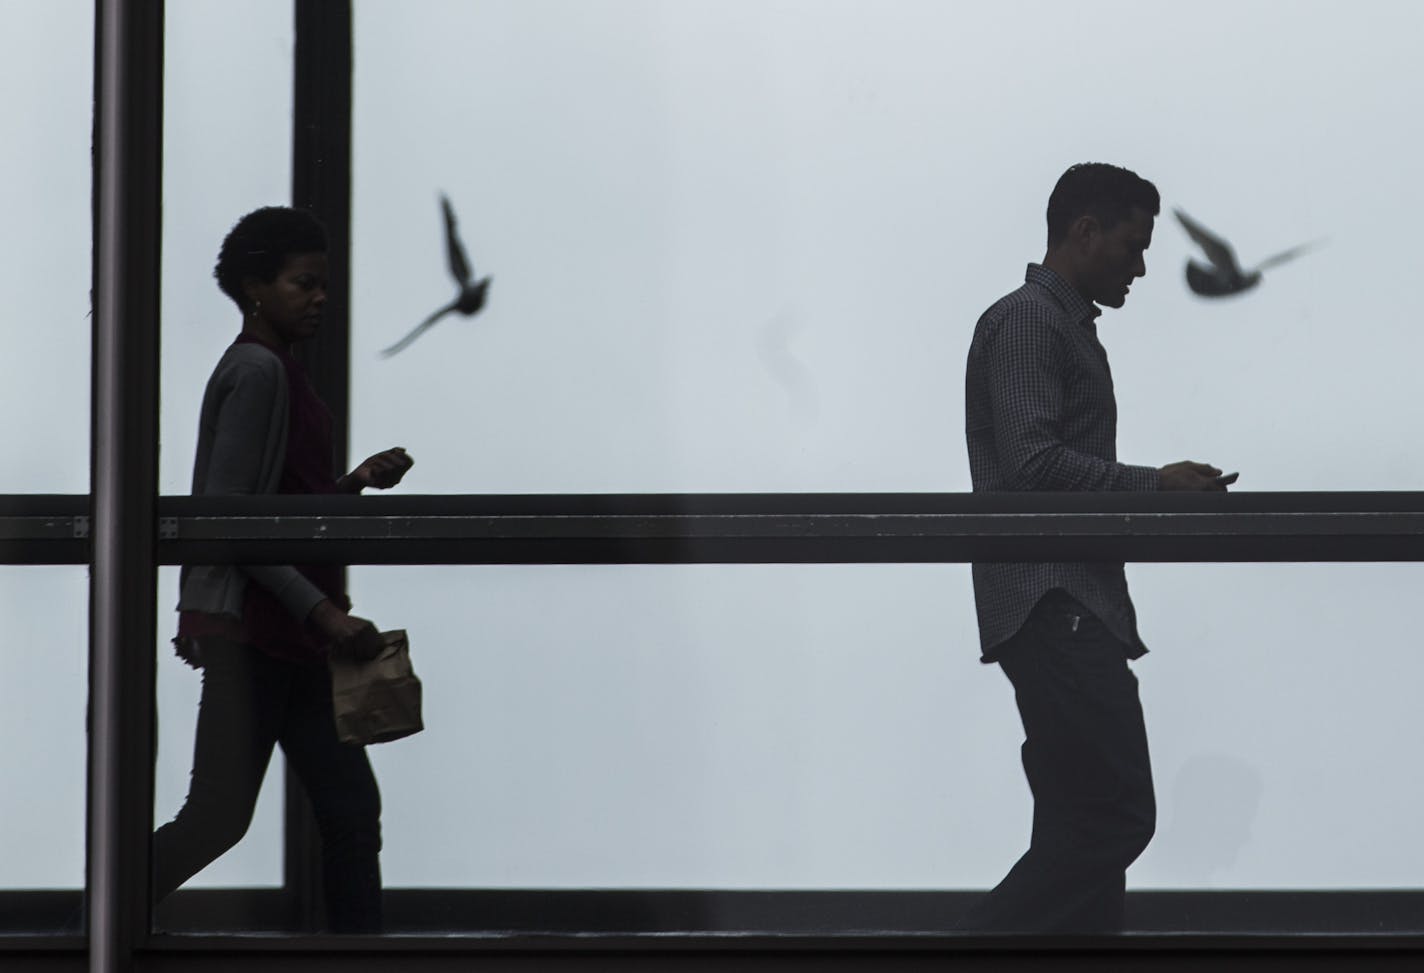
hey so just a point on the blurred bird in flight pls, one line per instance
(472, 292)
(1225, 276)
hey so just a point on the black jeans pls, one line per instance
(1085, 756)
(250, 702)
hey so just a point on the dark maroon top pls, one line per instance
(266, 624)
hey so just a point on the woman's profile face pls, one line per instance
(289, 308)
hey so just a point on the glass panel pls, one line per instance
(830, 727)
(741, 245)
(46, 111)
(42, 715)
(1280, 707)
(749, 726)
(227, 151)
(227, 103)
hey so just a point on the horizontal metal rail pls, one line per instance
(45, 529)
(742, 528)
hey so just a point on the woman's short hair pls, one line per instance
(259, 244)
(1108, 193)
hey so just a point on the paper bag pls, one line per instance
(378, 700)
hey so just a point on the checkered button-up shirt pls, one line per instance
(1040, 414)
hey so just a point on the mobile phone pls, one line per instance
(1226, 479)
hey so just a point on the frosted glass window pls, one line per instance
(740, 245)
(46, 112)
(831, 727)
(42, 715)
(227, 151)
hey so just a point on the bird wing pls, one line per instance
(1217, 250)
(1286, 255)
(459, 262)
(417, 331)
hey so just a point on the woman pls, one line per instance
(261, 634)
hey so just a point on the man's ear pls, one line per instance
(1084, 231)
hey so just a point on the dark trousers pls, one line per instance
(250, 702)
(1085, 755)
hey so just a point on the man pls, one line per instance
(1041, 415)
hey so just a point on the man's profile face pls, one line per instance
(1115, 258)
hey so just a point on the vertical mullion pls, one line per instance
(321, 182)
(128, 125)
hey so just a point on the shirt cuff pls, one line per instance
(1141, 479)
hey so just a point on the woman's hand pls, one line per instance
(351, 637)
(382, 471)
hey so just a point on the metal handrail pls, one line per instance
(743, 528)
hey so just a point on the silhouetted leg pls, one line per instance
(1086, 759)
(338, 780)
(238, 718)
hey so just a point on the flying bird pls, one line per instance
(1225, 276)
(472, 292)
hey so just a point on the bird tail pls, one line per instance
(417, 331)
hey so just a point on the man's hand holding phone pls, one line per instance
(1192, 476)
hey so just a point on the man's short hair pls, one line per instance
(260, 243)
(1106, 192)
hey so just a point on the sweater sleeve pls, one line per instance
(248, 443)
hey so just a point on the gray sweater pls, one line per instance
(242, 446)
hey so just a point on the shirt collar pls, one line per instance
(1075, 305)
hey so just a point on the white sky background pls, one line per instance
(741, 247)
